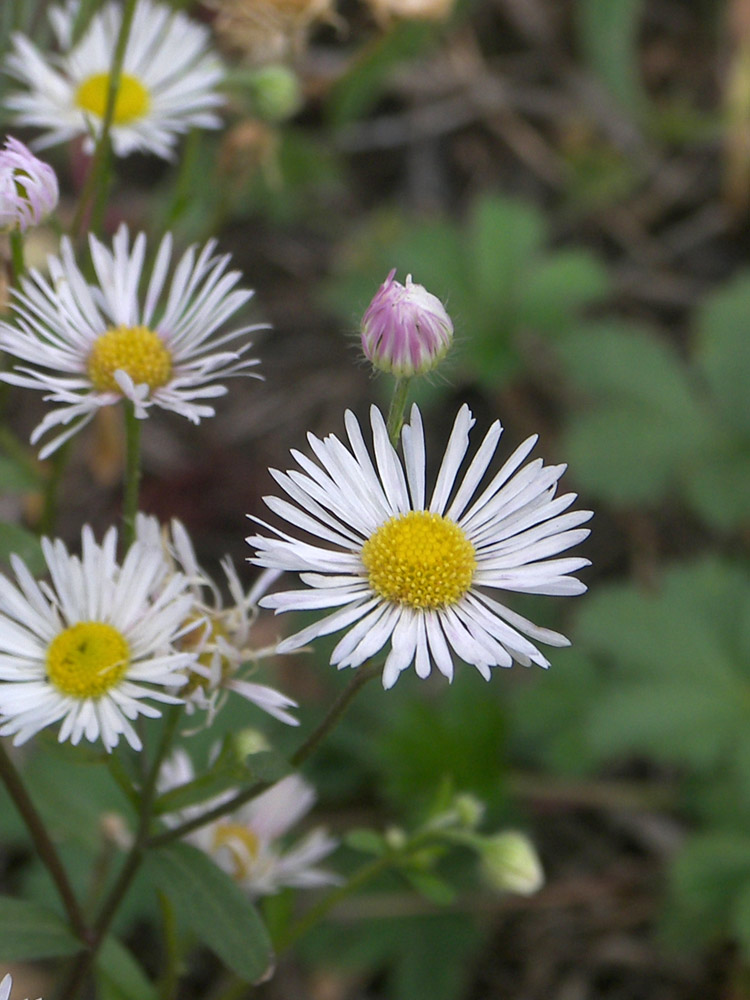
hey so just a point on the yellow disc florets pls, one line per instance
(87, 659)
(132, 101)
(133, 349)
(419, 559)
(241, 843)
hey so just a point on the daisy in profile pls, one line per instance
(93, 345)
(92, 647)
(247, 844)
(220, 635)
(167, 85)
(419, 574)
(28, 188)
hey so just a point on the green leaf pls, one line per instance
(560, 287)
(504, 236)
(366, 841)
(15, 540)
(31, 931)
(709, 879)
(608, 31)
(119, 976)
(214, 908)
(18, 477)
(722, 350)
(226, 772)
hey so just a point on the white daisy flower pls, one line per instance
(246, 844)
(167, 85)
(91, 646)
(6, 985)
(417, 573)
(93, 345)
(220, 636)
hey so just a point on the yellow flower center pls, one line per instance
(132, 99)
(241, 843)
(87, 659)
(203, 636)
(419, 559)
(133, 349)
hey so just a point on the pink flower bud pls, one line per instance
(406, 330)
(28, 187)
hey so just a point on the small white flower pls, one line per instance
(167, 85)
(220, 637)
(417, 573)
(6, 984)
(246, 844)
(28, 187)
(89, 648)
(93, 345)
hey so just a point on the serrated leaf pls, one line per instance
(219, 914)
(119, 976)
(28, 930)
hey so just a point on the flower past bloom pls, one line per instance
(416, 573)
(28, 187)
(91, 648)
(167, 84)
(6, 985)
(219, 635)
(247, 844)
(405, 330)
(93, 345)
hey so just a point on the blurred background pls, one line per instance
(572, 178)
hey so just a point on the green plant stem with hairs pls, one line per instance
(397, 409)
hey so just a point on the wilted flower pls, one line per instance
(94, 345)
(246, 844)
(90, 648)
(220, 637)
(415, 574)
(167, 85)
(28, 187)
(268, 30)
(405, 330)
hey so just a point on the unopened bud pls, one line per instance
(28, 187)
(406, 330)
(510, 863)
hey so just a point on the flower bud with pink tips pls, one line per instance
(405, 330)
(28, 187)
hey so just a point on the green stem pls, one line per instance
(132, 863)
(95, 186)
(397, 409)
(316, 913)
(16, 255)
(334, 714)
(43, 843)
(170, 977)
(52, 490)
(133, 428)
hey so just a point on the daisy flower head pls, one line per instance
(28, 187)
(93, 345)
(219, 634)
(167, 84)
(248, 844)
(93, 646)
(419, 573)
